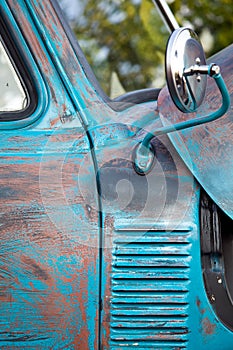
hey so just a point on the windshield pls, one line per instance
(124, 42)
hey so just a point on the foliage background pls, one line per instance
(125, 40)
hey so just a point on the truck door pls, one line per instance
(49, 242)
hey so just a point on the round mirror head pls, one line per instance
(184, 50)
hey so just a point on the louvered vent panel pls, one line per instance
(150, 284)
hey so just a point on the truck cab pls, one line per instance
(106, 241)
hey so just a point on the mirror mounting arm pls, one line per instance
(144, 154)
(210, 70)
(167, 15)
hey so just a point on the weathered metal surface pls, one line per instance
(208, 149)
(49, 243)
(150, 289)
(62, 54)
(49, 233)
(81, 232)
(152, 274)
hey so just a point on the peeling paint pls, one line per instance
(62, 284)
(208, 327)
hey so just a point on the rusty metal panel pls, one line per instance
(49, 259)
(148, 235)
(152, 286)
(49, 256)
(62, 284)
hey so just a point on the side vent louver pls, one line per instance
(150, 284)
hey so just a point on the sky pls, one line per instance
(72, 7)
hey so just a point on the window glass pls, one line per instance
(123, 40)
(12, 95)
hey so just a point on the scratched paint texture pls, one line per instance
(48, 257)
(139, 242)
(49, 233)
(150, 285)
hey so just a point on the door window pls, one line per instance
(12, 95)
(18, 94)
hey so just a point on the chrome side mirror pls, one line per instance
(186, 70)
(186, 73)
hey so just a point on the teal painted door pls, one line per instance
(49, 224)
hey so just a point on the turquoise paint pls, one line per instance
(201, 310)
(92, 305)
(55, 55)
(207, 150)
(56, 259)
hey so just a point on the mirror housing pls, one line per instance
(185, 59)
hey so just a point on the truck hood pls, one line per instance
(207, 149)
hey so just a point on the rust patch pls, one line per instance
(31, 37)
(208, 327)
(198, 302)
(47, 15)
(55, 121)
(33, 267)
(201, 310)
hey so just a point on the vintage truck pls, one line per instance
(116, 215)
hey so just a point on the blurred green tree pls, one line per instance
(127, 37)
(213, 17)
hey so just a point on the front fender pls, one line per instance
(207, 149)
